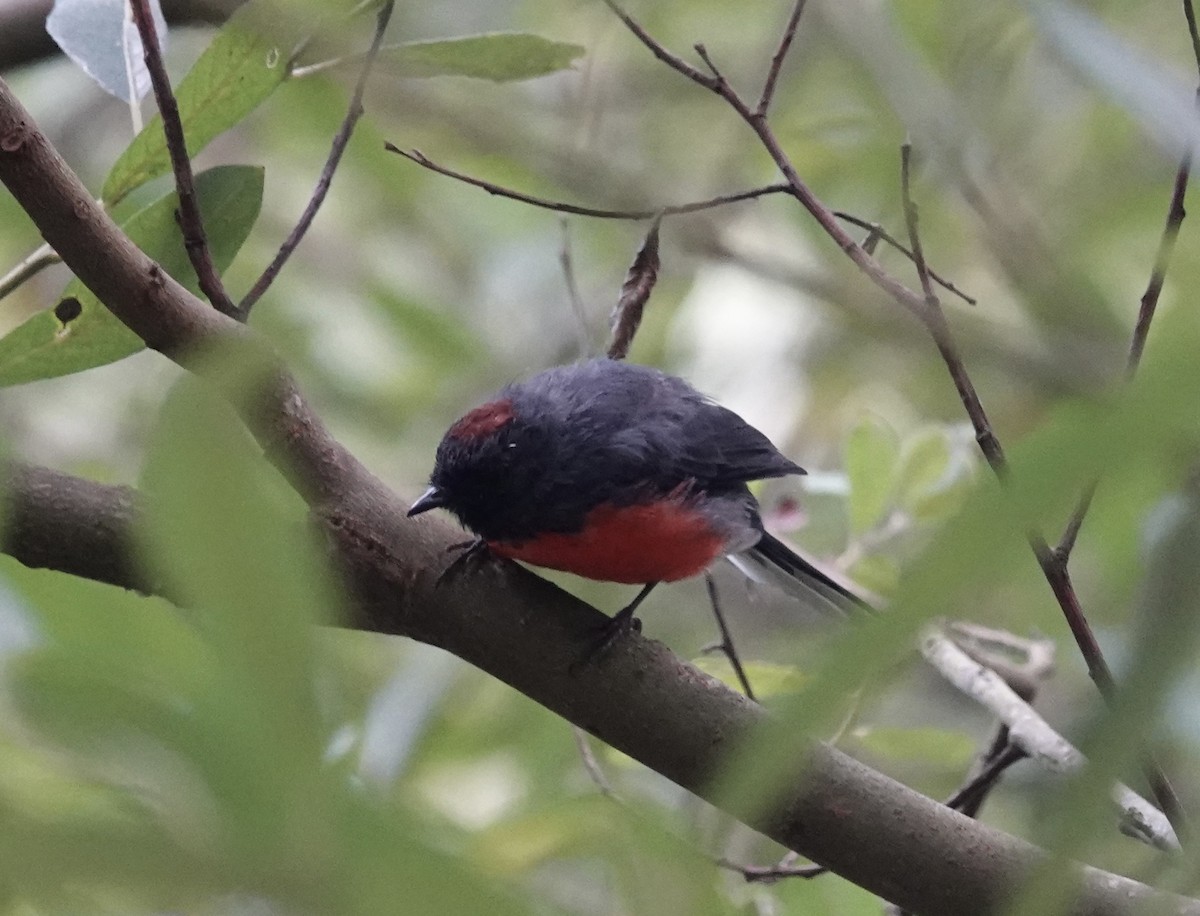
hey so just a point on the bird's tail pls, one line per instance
(774, 561)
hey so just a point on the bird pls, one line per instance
(618, 472)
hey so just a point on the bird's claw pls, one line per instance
(473, 551)
(607, 635)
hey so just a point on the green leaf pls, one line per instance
(767, 678)
(948, 749)
(942, 501)
(229, 536)
(923, 465)
(232, 77)
(872, 461)
(877, 572)
(500, 57)
(80, 333)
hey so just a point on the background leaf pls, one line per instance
(233, 76)
(500, 57)
(80, 333)
(872, 456)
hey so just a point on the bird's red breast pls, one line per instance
(647, 542)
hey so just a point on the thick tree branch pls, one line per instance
(56, 521)
(523, 630)
(527, 632)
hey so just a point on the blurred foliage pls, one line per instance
(236, 758)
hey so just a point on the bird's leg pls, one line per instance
(725, 646)
(472, 551)
(612, 630)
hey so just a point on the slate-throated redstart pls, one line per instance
(618, 472)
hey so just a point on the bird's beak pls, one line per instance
(430, 499)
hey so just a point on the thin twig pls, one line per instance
(577, 209)
(879, 234)
(726, 646)
(1066, 543)
(1032, 734)
(191, 223)
(337, 148)
(1154, 286)
(785, 44)
(1162, 261)
(1149, 301)
(869, 266)
(671, 60)
(910, 222)
(28, 268)
(768, 874)
(939, 329)
(1056, 573)
(558, 206)
(1001, 755)
(1056, 562)
(721, 84)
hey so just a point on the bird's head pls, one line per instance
(486, 470)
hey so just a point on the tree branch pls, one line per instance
(525, 631)
(928, 310)
(190, 220)
(56, 521)
(1031, 733)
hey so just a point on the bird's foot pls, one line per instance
(473, 551)
(607, 635)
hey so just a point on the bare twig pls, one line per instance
(559, 206)
(635, 293)
(671, 60)
(1066, 543)
(1030, 732)
(785, 44)
(910, 221)
(1056, 562)
(768, 874)
(1022, 663)
(28, 268)
(577, 209)
(935, 321)
(191, 223)
(1149, 301)
(1175, 216)
(869, 266)
(1001, 755)
(1162, 261)
(879, 234)
(726, 646)
(337, 148)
